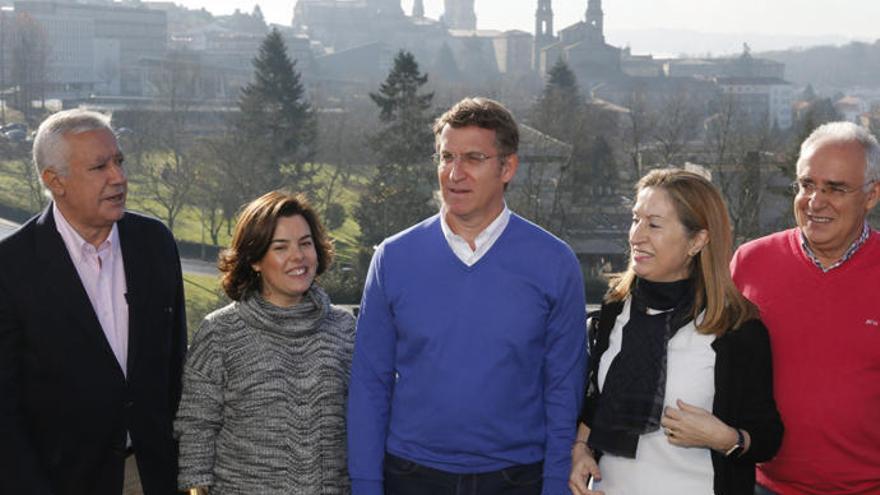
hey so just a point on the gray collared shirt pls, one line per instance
(866, 232)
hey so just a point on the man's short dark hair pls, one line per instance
(484, 113)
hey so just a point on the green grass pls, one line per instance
(14, 189)
(15, 192)
(188, 226)
(203, 295)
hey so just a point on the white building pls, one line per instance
(96, 45)
(767, 98)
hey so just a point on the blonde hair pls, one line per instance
(699, 207)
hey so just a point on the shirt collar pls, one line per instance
(853, 248)
(78, 247)
(490, 232)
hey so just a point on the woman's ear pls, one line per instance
(698, 242)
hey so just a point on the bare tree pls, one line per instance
(638, 131)
(170, 174)
(677, 123)
(209, 194)
(18, 155)
(736, 145)
(30, 52)
(536, 192)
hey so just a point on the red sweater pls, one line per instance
(825, 336)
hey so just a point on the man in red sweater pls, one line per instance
(818, 289)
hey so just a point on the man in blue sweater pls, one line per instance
(470, 356)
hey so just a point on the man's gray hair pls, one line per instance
(50, 147)
(845, 132)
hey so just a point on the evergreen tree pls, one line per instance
(559, 110)
(400, 193)
(562, 80)
(590, 169)
(275, 129)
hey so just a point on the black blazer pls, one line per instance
(65, 405)
(743, 395)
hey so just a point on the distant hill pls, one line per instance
(830, 68)
(674, 42)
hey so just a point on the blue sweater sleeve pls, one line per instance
(372, 376)
(565, 364)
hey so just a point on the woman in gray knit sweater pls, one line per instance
(265, 381)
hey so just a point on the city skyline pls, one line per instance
(848, 19)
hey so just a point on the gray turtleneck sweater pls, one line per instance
(263, 406)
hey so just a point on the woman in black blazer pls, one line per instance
(680, 392)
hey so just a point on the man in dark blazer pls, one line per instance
(92, 329)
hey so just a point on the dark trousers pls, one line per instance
(403, 477)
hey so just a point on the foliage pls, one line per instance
(736, 145)
(203, 295)
(30, 54)
(638, 131)
(559, 199)
(400, 192)
(676, 125)
(342, 283)
(170, 178)
(270, 143)
(559, 110)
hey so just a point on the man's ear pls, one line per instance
(53, 181)
(508, 168)
(873, 196)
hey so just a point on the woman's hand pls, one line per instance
(692, 426)
(583, 465)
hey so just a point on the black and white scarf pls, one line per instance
(631, 402)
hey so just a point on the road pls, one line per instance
(194, 266)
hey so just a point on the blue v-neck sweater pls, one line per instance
(468, 369)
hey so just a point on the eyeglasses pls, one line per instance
(471, 159)
(809, 188)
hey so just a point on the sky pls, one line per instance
(851, 19)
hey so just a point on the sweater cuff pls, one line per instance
(185, 481)
(555, 486)
(367, 487)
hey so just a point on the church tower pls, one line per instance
(595, 20)
(459, 14)
(418, 10)
(543, 31)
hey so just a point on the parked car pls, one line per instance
(16, 135)
(15, 126)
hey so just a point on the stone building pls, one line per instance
(459, 14)
(95, 43)
(582, 46)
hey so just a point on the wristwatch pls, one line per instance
(738, 447)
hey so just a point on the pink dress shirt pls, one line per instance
(103, 276)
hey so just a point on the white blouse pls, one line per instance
(660, 467)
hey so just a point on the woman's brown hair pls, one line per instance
(699, 207)
(253, 235)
